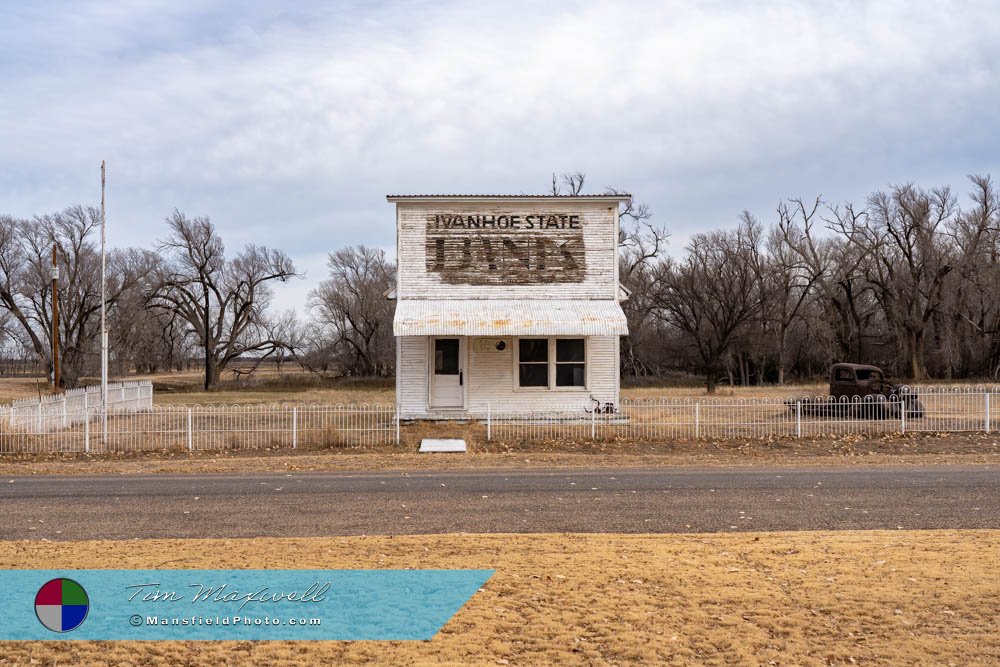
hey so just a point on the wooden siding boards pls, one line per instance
(491, 381)
(411, 396)
(599, 230)
(490, 374)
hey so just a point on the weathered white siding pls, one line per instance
(412, 373)
(599, 226)
(490, 379)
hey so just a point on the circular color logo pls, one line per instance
(61, 605)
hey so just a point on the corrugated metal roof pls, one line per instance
(508, 317)
(617, 197)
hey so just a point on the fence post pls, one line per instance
(39, 429)
(396, 412)
(902, 415)
(593, 425)
(489, 421)
(86, 431)
(295, 424)
(798, 419)
(986, 422)
(697, 420)
(64, 411)
(190, 438)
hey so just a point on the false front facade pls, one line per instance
(506, 303)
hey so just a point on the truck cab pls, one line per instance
(849, 380)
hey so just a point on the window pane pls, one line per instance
(570, 375)
(569, 350)
(534, 375)
(446, 356)
(533, 349)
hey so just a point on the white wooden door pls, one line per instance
(447, 374)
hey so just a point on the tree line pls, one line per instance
(906, 281)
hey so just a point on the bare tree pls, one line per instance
(14, 274)
(26, 287)
(791, 277)
(711, 294)
(223, 302)
(976, 313)
(642, 246)
(906, 259)
(572, 182)
(352, 307)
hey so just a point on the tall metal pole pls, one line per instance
(55, 321)
(104, 315)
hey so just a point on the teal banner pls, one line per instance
(232, 604)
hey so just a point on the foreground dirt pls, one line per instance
(909, 449)
(881, 598)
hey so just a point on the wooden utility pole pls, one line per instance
(55, 320)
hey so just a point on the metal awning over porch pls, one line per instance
(508, 317)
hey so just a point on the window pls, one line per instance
(570, 357)
(552, 362)
(446, 356)
(533, 362)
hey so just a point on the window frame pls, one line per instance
(552, 364)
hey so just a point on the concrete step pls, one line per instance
(442, 445)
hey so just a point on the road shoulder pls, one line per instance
(908, 450)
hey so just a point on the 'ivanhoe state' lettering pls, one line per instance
(506, 248)
(542, 221)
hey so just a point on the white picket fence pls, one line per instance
(133, 424)
(209, 427)
(941, 409)
(55, 412)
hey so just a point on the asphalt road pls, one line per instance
(560, 500)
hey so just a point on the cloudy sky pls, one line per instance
(288, 123)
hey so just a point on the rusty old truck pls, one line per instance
(862, 392)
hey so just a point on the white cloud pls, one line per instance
(296, 125)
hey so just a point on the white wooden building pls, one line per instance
(506, 301)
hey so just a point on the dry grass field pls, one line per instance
(809, 598)
(293, 386)
(12, 389)
(296, 387)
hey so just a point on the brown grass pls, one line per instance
(12, 389)
(294, 386)
(810, 598)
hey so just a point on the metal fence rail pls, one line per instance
(209, 427)
(59, 411)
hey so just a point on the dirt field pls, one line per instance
(882, 598)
